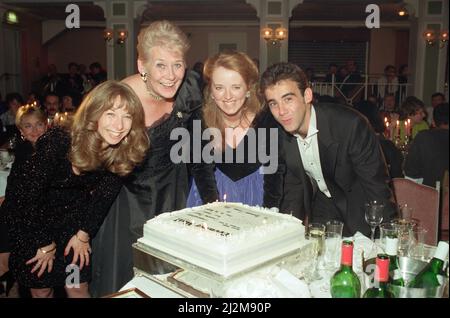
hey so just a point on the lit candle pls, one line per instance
(406, 129)
(385, 119)
(225, 197)
(398, 128)
(410, 127)
(388, 131)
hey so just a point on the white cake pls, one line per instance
(225, 238)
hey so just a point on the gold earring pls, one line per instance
(247, 94)
(144, 77)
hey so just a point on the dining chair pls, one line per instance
(444, 226)
(424, 201)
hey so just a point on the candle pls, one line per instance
(406, 129)
(225, 197)
(385, 119)
(398, 128)
(410, 127)
(388, 132)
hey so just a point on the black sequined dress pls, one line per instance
(45, 201)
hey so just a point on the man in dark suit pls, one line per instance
(427, 157)
(331, 157)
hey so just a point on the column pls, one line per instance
(273, 14)
(121, 58)
(428, 63)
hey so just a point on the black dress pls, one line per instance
(45, 201)
(22, 151)
(157, 186)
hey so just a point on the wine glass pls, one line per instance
(374, 216)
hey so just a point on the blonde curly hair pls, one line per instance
(164, 34)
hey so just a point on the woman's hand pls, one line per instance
(44, 259)
(81, 248)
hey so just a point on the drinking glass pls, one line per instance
(417, 243)
(333, 238)
(374, 216)
(404, 232)
(316, 234)
(388, 229)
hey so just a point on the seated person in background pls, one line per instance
(98, 74)
(392, 155)
(9, 130)
(70, 102)
(52, 105)
(388, 104)
(436, 99)
(333, 160)
(34, 98)
(427, 158)
(32, 124)
(232, 105)
(413, 109)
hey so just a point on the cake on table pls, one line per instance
(225, 238)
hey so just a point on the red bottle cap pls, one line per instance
(347, 253)
(382, 269)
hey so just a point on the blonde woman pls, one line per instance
(32, 123)
(171, 99)
(56, 202)
(232, 105)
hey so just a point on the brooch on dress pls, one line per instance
(180, 115)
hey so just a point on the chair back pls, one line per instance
(444, 209)
(424, 201)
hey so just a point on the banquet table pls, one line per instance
(154, 285)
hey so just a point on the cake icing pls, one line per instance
(224, 238)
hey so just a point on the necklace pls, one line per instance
(234, 127)
(152, 93)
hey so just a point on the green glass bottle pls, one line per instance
(395, 276)
(345, 283)
(380, 287)
(432, 275)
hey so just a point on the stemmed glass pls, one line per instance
(374, 216)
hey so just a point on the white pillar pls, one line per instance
(121, 59)
(273, 13)
(427, 64)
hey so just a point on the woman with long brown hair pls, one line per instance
(57, 201)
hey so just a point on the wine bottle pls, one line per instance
(380, 288)
(395, 275)
(345, 283)
(432, 274)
